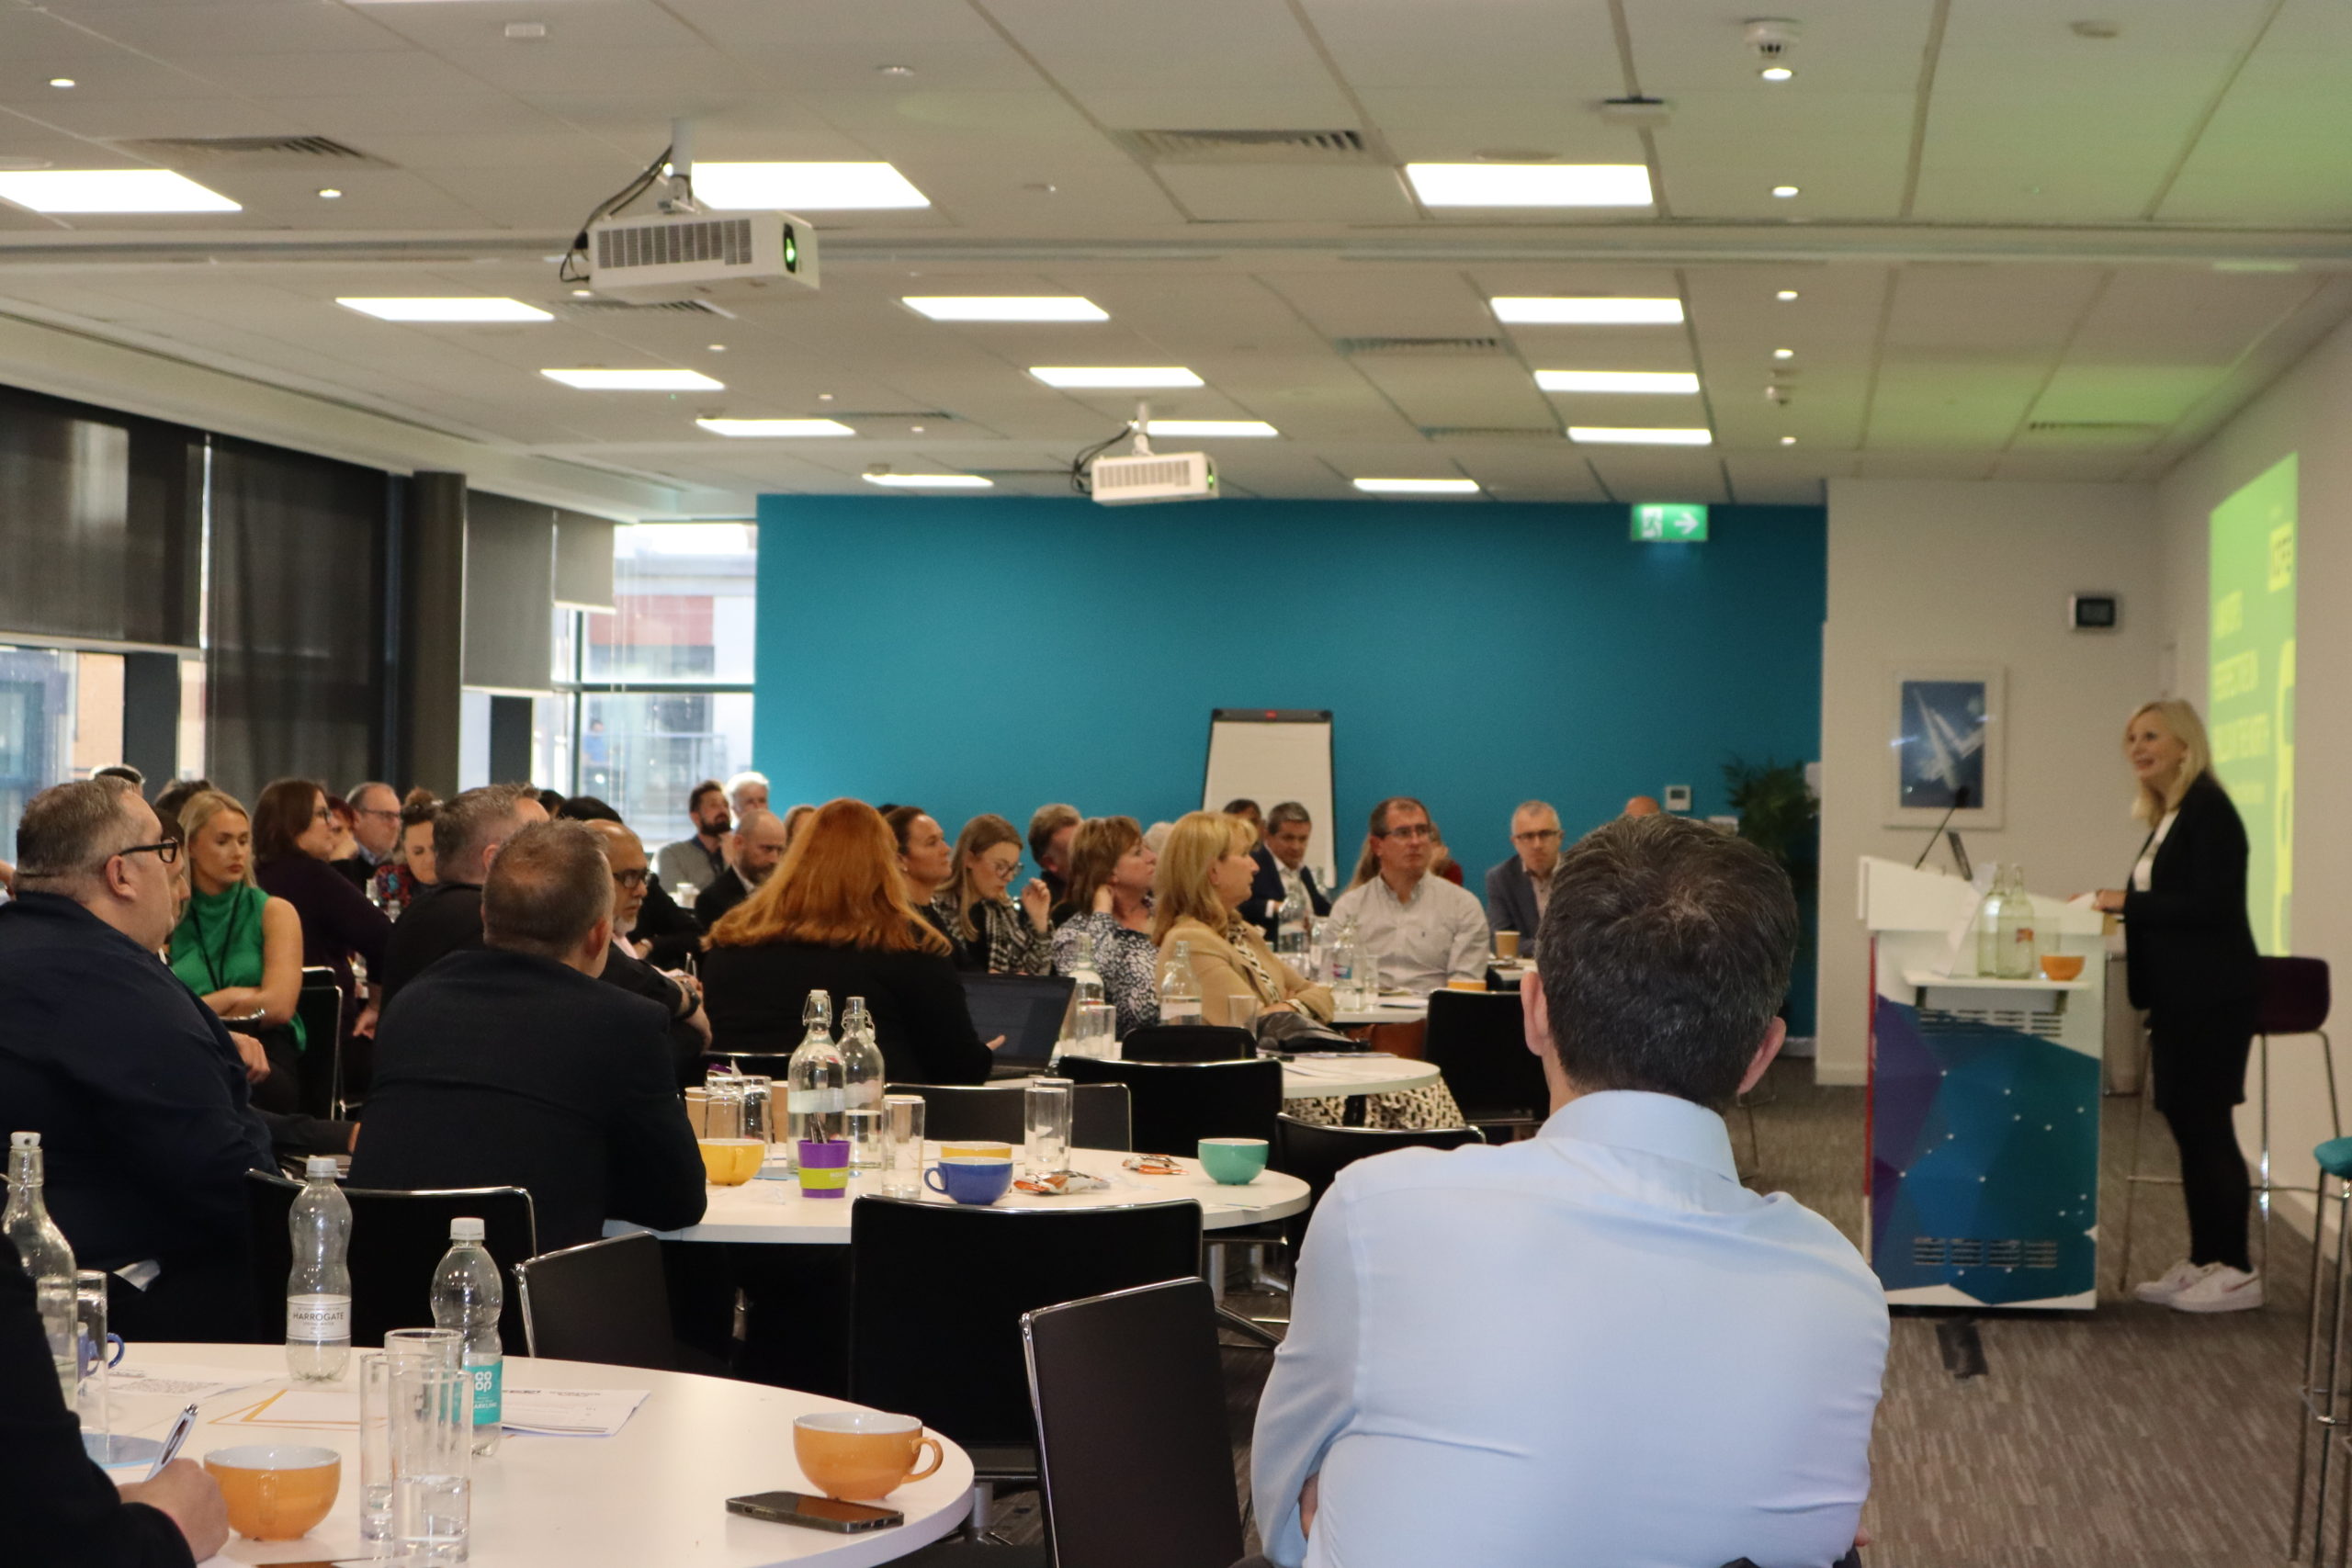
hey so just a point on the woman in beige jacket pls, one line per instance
(1205, 876)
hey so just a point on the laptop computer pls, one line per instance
(1028, 1009)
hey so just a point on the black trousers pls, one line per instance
(2198, 1057)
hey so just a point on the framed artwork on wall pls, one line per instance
(1946, 743)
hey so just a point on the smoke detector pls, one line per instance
(1773, 37)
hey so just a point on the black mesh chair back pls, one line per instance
(1099, 1117)
(1189, 1042)
(1178, 1104)
(1478, 1040)
(1315, 1153)
(397, 1238)
(319, 1004)
(602, 1301)
(937, 1292)
(2293, 996)
(1105, 1373)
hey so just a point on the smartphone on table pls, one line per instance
(814, 1513)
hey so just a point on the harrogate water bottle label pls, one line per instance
(488, 1380)
(318, 1320)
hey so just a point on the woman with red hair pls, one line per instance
(834, 916)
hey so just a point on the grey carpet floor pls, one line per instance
(2134, 1437)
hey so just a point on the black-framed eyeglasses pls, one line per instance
(165, 851)
(632, 880)
(1535, 835)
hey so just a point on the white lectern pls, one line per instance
(1984, 1103)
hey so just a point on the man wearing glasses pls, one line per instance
(375, 806)
(1517, 889)
(137, 1089)
(1423, 929)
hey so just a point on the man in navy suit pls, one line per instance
(1281, 856)
(1517, 890)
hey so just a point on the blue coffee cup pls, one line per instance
(971, 1180)
(1233, 1162)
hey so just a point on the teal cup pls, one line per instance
(971, 1180)
(1233, 1162)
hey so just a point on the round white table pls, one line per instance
(1352, 1073)
(655, 1492)
(774, 1211)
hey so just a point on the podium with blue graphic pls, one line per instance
(1984, 1103)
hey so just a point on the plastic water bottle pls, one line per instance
(862, 1073)
(467, 1296)
(1290, 925)
(1180, 989)
(1086, 989)
(816, 1079)
(1347, 965)
(318, 1291)
(42, 1248)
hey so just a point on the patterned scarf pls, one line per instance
(1238, 932)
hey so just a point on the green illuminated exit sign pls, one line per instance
(1669, 522)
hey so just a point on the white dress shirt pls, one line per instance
(1593, 1349)
(1441, 935)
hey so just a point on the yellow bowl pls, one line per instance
(2062, 966)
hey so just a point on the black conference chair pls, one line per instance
(1189, 1042)
(602, 1301)
(397, 1238)
(936, 1296)
(319, 1004)
(1100, 1115)
(1478, 1041)
(1316, 1153)
(1102, 1372)
(1178, 1104)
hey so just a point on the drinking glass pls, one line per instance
(376, 1451)
(902, 1119)
(1047, 1101)
(723, 1110)
(94, 1353)
(867, 1131)
(1241, 1011)
(429, 1436)
(758, 1108)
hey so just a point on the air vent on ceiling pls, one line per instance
(1254, 146)
(1490, 433)
(2095, 429)
(1452, 348)
(252, 152)
(633, 308)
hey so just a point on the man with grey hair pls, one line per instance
(138, 1091)
(1531, 1325)
(1283, 871)
(513, 1064)
(747, 792)
(447, 916)
(376, 810)
(1517, 889)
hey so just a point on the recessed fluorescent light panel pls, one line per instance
(775, 427)
(1594, 312)
(1617, 380)
(1115, 378)
(1209, 427)
(636, 380)
(930, 481)
(1006, 308)
(803, 187)
(111, 190)
(1614, 435)
(1530, 185)
(1417, 487)
(467, 310)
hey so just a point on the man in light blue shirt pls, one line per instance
(1593, 1349)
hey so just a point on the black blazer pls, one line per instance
(444, 918)
(753, 996)
(62, 1511)
(1264, 909)
(1511, 902)
(504, 1068)
(2188, 942)
(726, 890)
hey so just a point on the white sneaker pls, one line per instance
(2222, 1288)
(2161, 1289)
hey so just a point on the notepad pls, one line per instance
(569, 1412)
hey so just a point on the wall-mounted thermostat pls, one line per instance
(2095, 612)
(1677, 797)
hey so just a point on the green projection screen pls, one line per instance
(2251, 705)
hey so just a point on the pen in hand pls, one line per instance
(180, 1429)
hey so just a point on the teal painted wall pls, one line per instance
(991, 655)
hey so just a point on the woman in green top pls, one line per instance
(236, 947)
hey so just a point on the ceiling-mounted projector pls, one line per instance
(698, 256)
(1152, 476)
